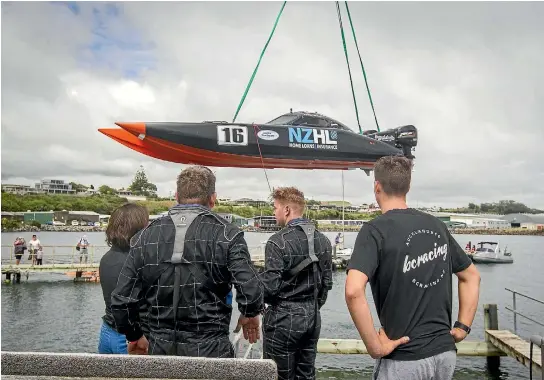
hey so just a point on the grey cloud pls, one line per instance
(468, 75)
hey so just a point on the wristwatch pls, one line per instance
(461, 326)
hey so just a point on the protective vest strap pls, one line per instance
(309, 230)
(311, 260)
(182, 220)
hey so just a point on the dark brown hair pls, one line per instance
(289, 195)
(394, 173)
(124, 222)
(196, 184)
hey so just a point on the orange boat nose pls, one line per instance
(134, 128)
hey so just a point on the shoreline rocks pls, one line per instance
(50, 228)
(460, 231)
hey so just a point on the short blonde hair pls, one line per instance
(290, 195)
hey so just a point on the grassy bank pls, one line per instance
(105, 204)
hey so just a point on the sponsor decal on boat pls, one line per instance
(313, 138)
(268, 135)
(384, 138)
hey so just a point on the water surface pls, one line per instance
(52, 313)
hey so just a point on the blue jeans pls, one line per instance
(110, 341)
(229, 298)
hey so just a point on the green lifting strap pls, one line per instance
(347, 61)
(362, 66)
(258, 63)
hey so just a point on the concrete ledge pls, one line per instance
(42, 365)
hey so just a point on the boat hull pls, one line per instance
(252, 145)
(491, 260)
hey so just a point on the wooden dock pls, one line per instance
(515, 347)
(65, 259)
(357, 346)
(498, 342)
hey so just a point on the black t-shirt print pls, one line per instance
(409, 257)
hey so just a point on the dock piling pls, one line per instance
(491, 322)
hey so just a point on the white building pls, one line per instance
(17, 189)
(528, 221)
(129, 196)
(490, 221)
(54, 186)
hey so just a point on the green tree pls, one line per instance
(79, 187)
(141, 186)
(106, 190)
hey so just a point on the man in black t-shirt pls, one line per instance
(409, 257)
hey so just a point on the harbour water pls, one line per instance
(52, 313)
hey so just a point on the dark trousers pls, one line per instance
(216, 347)
(290, 339)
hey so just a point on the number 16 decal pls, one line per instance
(231, 135)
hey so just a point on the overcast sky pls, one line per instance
(468, 75)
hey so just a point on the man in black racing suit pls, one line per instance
(296, 279)
(185, 264)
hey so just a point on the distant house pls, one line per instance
(54, 186)
(123, 193)
(43, 217)
(473, 220)
(250, 202)
(17, 189)
(80, 216)
(235, 219)
(19, 216)
(528, 221)
(267, 223)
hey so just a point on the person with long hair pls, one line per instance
(124, 223)
(19, 249)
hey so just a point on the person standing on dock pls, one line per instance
(33, 245)
(408, 257)
(19, 247)
(83, 245)
(125, 222)
(337, 241)
(184, 264)
(296, 278)
(39, 256)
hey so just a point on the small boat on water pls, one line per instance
(344, 253)
(489, 252)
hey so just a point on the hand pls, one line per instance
(251, 327)
(458, 334)
(389, 345)
(139, 347)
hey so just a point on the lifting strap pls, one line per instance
(259, 62)
(362, 66)
(347, 61)
(182, 220)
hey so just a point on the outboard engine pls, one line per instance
(404, 138)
